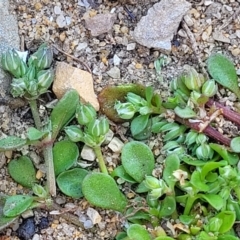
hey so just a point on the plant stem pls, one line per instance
(34, 109)
(209, 131)
(226, 112)
(189, 204)
(101, 163)
(48, 157)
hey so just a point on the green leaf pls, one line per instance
(4, 221)
(186, 219)
(34, 134)
(192, 161)
(11, 143)
(228, 237)
(101, 190)
(138, 232)
(168, 206)
(65, 154)
(22, 171)
(121, 172)
(228, 219)
(172, 163)
(223, 71)
(70, 182)
(186, 112)
(64, 111)
(235, 144)
(163, 238)
(209, 166)
(139, 215)
(15, 205)
(137, 159)
(214, 200)
(138, 124)
(156, 127)
(232, 158)
(197, 182)
(141, 188)
(149, 94)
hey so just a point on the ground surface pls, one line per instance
(213, 26)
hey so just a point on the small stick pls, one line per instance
(229, 20)
(74, 58)
(209, 131)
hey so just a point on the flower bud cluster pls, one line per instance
(134, 104)
(91, 130)
(156, 187)
(31, 78)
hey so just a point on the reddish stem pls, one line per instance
(209, 131)
(226, 112)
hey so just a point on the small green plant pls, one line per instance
(198, 186)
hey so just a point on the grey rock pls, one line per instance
(101, 23)
(156, 29)
(114, 72)
(8, 39)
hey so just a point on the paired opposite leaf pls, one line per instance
(102, 191)
(223, 71)
(138, 160)
(64, 111)
(70, 182)
(11, 143)
(15, 205)
(22, 171)
(138, 232)
(65, 154)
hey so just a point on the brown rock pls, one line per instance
(68, 77)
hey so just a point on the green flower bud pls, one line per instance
(227, 172)
(156, 193)
(151, 182)
(98, 127)
(11, 62)
(214, 224)
(194, 96)
(42, 58)
(31, 73)
(89, 140)
(191, 137)
(201, 138)
(204, 152)
(125, 110)
(23, 68)
(45, 79)
(192, 79)
(74, 133)
(209, 88)
(145, 110)
(152, 202)
(32, 87)
(18, 87)
(225, 193)
(136, 100)
(39, 191)
(85, 114)
(174, 85)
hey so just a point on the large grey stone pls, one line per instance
(156, 29)
(8, 39)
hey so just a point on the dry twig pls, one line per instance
(74, 58)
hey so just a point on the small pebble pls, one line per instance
(87, 153)
(131, 46)
(27, 229)
(116, 145)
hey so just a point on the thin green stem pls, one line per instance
(101, 162)
(48, 157)
(189, 204)
(34, 109)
